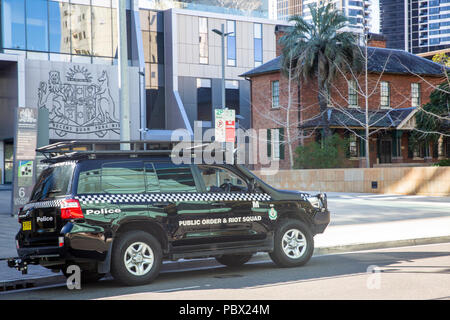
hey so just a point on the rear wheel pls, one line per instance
(234, 260)
(294, 244)
(136, 258)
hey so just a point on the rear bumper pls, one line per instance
(77, 246)
(33, 253)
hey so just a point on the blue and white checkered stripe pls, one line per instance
(170, 197)
(43, 204)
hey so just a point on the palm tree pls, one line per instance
(317, 50)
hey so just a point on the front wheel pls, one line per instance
(136, 258)
(294, 244)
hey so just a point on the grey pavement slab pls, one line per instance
(5, 201)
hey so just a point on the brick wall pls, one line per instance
(263, 116)
(266, 117)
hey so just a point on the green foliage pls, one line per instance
(443, 163)
(329, 153)
(431, 118)
(320, 50)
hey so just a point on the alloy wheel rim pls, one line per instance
(294, 243)
(139, 258)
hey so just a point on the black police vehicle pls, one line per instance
(124, 212)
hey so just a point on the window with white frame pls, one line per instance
(257, 44)
(415, 94)
(353, 146)
(385, 94)
(231, 43)
(275, 94)
(275, 143)
(352, 94)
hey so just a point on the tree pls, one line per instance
(433, 119)
(331, 153)
(442, 58)
(318, 49)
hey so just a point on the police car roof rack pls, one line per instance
(71, 150)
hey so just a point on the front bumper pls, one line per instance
(321, 220)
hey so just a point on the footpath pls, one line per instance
(358, 222)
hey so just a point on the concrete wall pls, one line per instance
(188, 58)
(432, 181)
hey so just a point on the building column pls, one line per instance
(441, 154)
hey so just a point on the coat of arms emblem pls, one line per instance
(79, 106)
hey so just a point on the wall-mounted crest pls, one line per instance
(79, 106)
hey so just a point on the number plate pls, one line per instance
(26, 225)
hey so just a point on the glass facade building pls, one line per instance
(392, 23)
(79, 31)
(417, 26)
(428, 25)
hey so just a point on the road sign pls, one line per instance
(225, 125)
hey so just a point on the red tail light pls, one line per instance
(18, 214)
(70, 209)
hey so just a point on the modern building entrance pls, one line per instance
(8, 107)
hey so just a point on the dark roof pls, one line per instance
(391, 60)
(354, 117)
(268, 67)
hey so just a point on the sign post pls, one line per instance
(225, 122)
(225, 131)
(24, 156)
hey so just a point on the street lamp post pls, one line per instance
(222, 34)
(123, 75)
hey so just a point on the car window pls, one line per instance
(216, 178)
(152, 183)
(53, 181)
(89, 181)
(175, 178)
(123, 177)
(113, 177)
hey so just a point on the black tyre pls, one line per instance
(294, 244)
(87, 276)
(234, 260)
(136, 258)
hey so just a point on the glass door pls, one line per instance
(9, 160)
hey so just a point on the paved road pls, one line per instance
(419, 272)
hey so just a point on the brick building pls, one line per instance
(398, 82)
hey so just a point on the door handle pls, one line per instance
(162, 204)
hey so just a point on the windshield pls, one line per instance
(53, 182)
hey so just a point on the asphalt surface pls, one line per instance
(418, 272)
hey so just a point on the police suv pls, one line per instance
(124, 212)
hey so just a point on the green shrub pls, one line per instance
(443, 163)
(329, 153)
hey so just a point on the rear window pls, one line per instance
(136, 177)
(53, 181)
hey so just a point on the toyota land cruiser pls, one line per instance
(125, 212)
